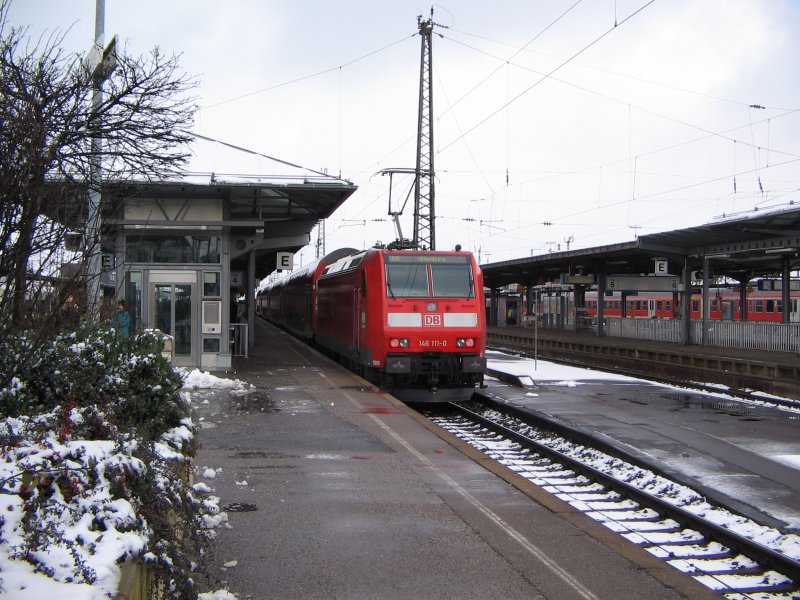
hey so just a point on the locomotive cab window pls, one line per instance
(452, 281)
(407, 281)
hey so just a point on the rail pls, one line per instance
(694, 519)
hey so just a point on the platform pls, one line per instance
(776, 373)
(743, 455)
(336, 490)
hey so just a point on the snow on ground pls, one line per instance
(542, 370)
(218, 595)
(197, 379)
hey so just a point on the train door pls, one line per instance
(727, 310)
(359, 310)
(171, 311)
(651, 308)
(794, 310)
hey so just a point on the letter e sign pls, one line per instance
(284, 261)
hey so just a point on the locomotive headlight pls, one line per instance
(465, 343)
(431, 306)
(398, 342)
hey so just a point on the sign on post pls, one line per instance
(285, 261)
(668, 283)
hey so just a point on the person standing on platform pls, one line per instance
(122, 320)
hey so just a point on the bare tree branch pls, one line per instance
(47, 124)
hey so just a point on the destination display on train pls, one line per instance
(410, 259)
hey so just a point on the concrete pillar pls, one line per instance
(686, 305)
(785, 290)
(601, 300)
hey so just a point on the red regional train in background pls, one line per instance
(725, 303)
(399, 318)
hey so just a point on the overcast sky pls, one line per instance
(554, 127)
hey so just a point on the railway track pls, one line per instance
(727, 553)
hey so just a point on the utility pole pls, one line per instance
(320, 246)
(101, 65)
(424, 190)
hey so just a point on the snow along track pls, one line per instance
(726, 552)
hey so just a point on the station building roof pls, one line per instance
(263, 215)
(266, 217)
(757, 244)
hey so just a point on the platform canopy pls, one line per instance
(758, 244)
(265, 217)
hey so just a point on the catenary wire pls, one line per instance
(310, 76)
(536, 83)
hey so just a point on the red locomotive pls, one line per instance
(397, 317)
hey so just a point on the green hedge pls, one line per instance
(127, 378)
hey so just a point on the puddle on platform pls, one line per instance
(257, 454)
(382, 410)
(252, 402)
(240, 507)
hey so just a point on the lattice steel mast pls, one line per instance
(424, 190)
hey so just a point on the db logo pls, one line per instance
(432, 320)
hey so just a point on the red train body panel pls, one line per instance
(725, 304)
(398, 317)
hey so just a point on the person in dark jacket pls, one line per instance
(122, 320)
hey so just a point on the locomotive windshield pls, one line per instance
(452, 281)
(429, 276)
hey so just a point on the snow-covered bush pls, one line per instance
(95, 447)
(72, 508)
(129, 378)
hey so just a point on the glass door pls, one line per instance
(172, 314)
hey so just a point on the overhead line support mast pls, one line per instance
(424, 189)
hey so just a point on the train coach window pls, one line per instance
(452, 281)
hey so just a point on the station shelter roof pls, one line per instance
(742, 247)
(266, 217)
(263, 216)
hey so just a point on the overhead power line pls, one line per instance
(267, 156)
(310, 76)
(544, 77)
